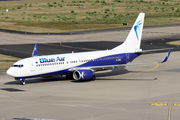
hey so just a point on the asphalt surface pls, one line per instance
(25, 50)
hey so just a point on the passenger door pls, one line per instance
(127, 57)
(32, 66)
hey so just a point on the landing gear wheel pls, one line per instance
(93, 78)
(23, 82)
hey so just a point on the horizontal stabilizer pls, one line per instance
(34, 53)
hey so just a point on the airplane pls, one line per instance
(82, 65)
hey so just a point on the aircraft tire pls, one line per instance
(23, 82)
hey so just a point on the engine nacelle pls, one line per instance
(83, 74)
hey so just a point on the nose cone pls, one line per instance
(9, 72)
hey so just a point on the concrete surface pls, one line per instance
(122, 94)
(143, 92)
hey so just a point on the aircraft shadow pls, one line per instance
(117, 71)
(38, 80)
(131, 79)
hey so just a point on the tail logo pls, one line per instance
(137, 27)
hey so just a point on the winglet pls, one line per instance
(34, 53)
(166, 58)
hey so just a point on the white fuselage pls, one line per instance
(61, 63)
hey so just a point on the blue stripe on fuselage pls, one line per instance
(111, 60)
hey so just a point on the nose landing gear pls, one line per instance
(22, 80)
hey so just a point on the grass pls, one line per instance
(7, 61)
(177, 43)
(53, 16)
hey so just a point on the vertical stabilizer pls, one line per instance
(133, 40)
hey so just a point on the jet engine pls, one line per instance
(83, 74)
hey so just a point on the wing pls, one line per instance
(154, 50)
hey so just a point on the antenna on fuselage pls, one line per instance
(34, 53)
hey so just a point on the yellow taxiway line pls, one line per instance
(169, 113)
(159, 104)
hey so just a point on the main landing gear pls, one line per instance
(69, 77)
(93, 78)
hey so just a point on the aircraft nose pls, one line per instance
(9, 72)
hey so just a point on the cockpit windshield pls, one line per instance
(17, 66)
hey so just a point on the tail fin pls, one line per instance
(133, 40)
(34, 53)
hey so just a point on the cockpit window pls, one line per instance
(14, 65)
(17, 66)
(20, 66)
